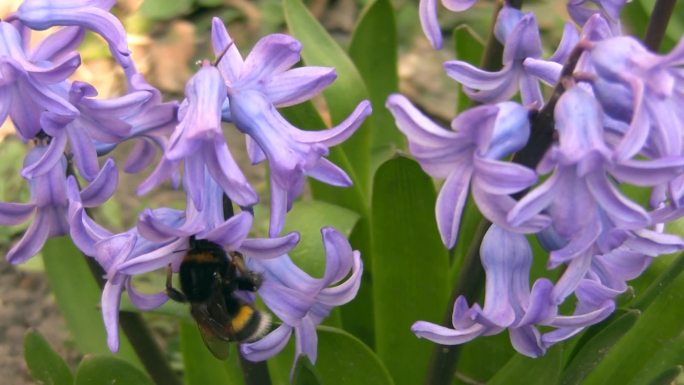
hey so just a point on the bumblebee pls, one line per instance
(209, 281)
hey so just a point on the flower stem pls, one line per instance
(255, 373)
(662, 11)
(542, 122)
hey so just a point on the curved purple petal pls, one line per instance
(42, 15)
(111, 297)
(231, 63)
(102, 187)
(15, 213)
(33, 240)
(228, 175)
(446, 336)
(428, 20)
(502, 178)
(231, 233)
(329, 173)
(483, 86)
(268, 346)
(335, 135)
(627, 214)
(266, 248)
(156, 259)
(450, 203)
(298, 85)
(270, 56)
(527, 341)
(59, 44)
(53, 154)
(287, 304)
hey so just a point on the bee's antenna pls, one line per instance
(223, 53)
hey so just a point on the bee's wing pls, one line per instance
(214, 335)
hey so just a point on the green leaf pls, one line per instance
(342, 96)
(663, 364)
(661, 323)
(308, 217)
(590, 353)
(201, 367)
(305, 373)
(45, 365)
(78, 298)
(210, 3)
(410, 267)
(374, 51)
(342, 360)
(164, 10)
(531, 371)
(667, 377)
(109, 370)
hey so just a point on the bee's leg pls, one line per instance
(173, 293)
(247, 280)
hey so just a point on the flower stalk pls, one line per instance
(660, 18)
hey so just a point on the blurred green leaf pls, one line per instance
(410, 267)
(667, 377)
(523, 370)
(45, 365)
(201, 367)
(661, 322)
(78, 298)
(305, 373)
(374, 51)
(308, 217)
(342, 360)
(164, 10)
(589, 354)
(109, 370)
(320, 49)
(210, 3)
(665, 363)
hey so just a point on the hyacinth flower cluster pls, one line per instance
(615, 122)
(69, 129)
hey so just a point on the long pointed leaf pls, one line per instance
(410, 267)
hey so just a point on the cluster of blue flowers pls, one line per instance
(68, 126)
(616, 121)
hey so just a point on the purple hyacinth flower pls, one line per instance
(428, 17)
(646, 86)
(259, 84)
(49, 203)
(198, 141)
(99, 120)
(522, 63)
(520, 35)
(90, 14)
(151, 124)
(468, 156)
(511, 304)
(580, 196)
(316, 297)
(28, 80)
